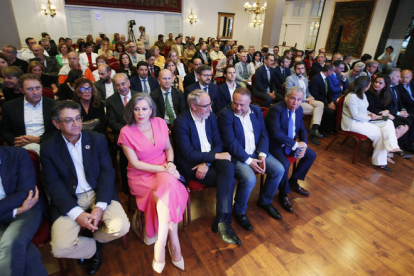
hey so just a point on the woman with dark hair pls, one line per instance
(80, 44)
(89, 39)
(99, 61)
(153, 178)
(309, 60)
(48, 81)
(125, 66)
(11, 89)
(257, 57)
(62, 40)
(177, 81)
(93, 111)
(119, 49)
(3, 64)
(116, 39)
(356, 117)
(67, 88)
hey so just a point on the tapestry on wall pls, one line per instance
(152, 5)
(355, 18)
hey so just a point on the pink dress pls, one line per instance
(142, 184)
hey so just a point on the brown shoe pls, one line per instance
(286, 204)
(300, 191)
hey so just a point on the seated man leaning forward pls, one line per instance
(245, 137)
(284, 121)
(79, 177)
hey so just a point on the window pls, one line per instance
(80, 23)
(317, 7)
(299, 8)
(312, 34)
(172, 24)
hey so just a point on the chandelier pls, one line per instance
(192, 17)
(257, 8)
(49, 8)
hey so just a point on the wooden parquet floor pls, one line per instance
(358, 220)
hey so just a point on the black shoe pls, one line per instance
(314, 140)
(385, 168)
(243, 221)
(316, 133)
(300, 191)
(81, 261)
(271, 210)
(93, 265)
(286, 204)
(226, 233)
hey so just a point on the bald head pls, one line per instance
(165, 79)
(406, 77)
(38, 51)
(73, 60)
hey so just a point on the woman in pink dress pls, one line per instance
(153, 178)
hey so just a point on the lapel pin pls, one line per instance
(87, 147)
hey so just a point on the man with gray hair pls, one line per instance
(353, 74)
(10, 52)
(45, 43)
(51, 64)
(132, 52)
(371, 67)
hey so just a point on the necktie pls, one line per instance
(288, 150)
(283, 73)
(144, 81)
(169, 109)
(326, 85)
(152, 72)
(125, 100)
(338, 77)
(268, 74)
(394, 92)
(205, 89)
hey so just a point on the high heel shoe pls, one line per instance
(158, 267)
(180, 263)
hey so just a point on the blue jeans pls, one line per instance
(247, 180)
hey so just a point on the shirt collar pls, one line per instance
(247, 113)
(164, 91)
(323, 76)
(25, 102)
(79, 142)
(192, 116)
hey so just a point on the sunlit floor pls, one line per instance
(358, 220)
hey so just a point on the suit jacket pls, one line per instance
(239, 71)
(262, 82)
(213, 92)
(334, 87)
(18, 177)
(231, 131)
(225, 97)
(293, 80)
(83, 59)
(115, 110)
(315, 69)
(156, 71)
(52, 65)
(59, 175)
(318, 89)
(100, 86)
(175, 48)
(280, 78)
(277, 121)
(200, 56)
(12, 124)
(136, 84)
(396, 104)
(189, 79)
(406, 100)
(178, 101)
(188, 148)
(249, 58)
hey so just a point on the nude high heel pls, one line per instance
(158, 267)
(180, 263)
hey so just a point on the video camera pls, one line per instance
(131, 23)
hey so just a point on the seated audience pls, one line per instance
(134, 56)
(200, 156)
(284, 121)
(309, 60)
(104, 86)
(406, 90)
(347, 60)
(47, 81)
(264, 87)
(3, 64)
(316, 67)
(105, 50)
(153, 70)
(66, 89)
(74, 64)
(371, 67)
(244, 71)
(180, 67)
(11, 90)
(11, 56)
(119, 49)
(51, 65)
(143, 82)
(177, 81)
(188, 56)
(357, 118)
(337, 83)
(26, 121)
(216, 54)
(227, 88)
(250, 53)
(159, 59)
(116, 38)
(160, 44)
(27, 54)
(153, 178)
(48, 44)
(126, 66)
(257, 60)
(20, 214)
(388, 59)
(355, 72)
(98, 44)
(88, 58)
(62, 58)
(89, 39)
(203, 54)
(178, 48)
(281, 73)
(101, 60)
(364, 59)
(191, 77)
(78, 176)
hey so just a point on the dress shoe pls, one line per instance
(286, 204)
(180, 263)
(271, 210)
(243, 221)
(135, 229)
(405, 155)
(300, 191)
(226, 233)
(316, 133)
(93, 265)
(158, 267)
(385, 168)
(314, 140)
(81, 261)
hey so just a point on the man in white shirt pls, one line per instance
(216, 53)
(79, 177)
(28, 53)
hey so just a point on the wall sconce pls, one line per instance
(256, 21)
(192, 17)
(49, 8)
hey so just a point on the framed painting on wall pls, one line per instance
(151, 5)
(355, 17)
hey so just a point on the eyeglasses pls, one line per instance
(85, 89)
(207, 76)
(205, 106)
(69, 121)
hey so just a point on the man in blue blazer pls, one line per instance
(20, 214)
(78, 175)
(204, 76)
(245, 137)
(284, 121)
(227, 88)
(200, 156)
(264, 87)
(281, 73)
(337, 82)
(143, 82)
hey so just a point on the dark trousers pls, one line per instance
(18, 256)
(408, 138)
(328, 119)
(299, 173)
(266, 98)
(221, 176)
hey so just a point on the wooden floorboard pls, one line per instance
(358, 220)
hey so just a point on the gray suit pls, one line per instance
(293, 80)
(239, 71)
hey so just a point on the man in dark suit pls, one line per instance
(371, 68)
(153, 70)
(10, 52)
(284, 121)
(104, 85)
(200, 156)
(337, 82)
(204, 76)
(143, 82)
(26, 121)
(264, 86)
(281, 73)
(79, 177)
(191, 78)
(245, 137)
(203, 54)
(317, 66)
(250, 53)
(407, 91)
(169, 101)
(51, 64)
(227, 88)
(20, 214)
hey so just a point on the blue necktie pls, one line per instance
(290, 132)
